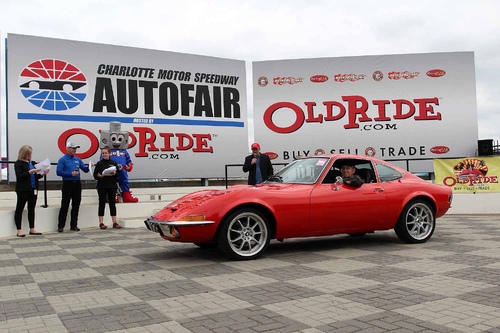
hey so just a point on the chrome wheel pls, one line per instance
(245, 234)
(417, 222)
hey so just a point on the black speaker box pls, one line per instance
(485, 147)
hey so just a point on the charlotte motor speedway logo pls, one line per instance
(52, 84)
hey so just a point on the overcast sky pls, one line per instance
(255, 30)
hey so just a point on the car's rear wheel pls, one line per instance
(416, 223)
(244, 234)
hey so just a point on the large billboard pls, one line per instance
(412, 106)
(186, 114)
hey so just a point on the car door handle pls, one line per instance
(378, 189)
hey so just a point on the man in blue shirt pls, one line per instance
(68, 167)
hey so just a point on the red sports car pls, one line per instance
(306, 198)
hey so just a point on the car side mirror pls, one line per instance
(338, 181)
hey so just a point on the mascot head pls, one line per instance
(115, 138)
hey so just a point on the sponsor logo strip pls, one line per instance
(104, 119)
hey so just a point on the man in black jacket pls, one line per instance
(258, 166)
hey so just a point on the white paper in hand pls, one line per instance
(43, 165)
(109, 171)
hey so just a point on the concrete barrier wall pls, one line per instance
(479, 203)
(132, 215)
(46, 218)
(128, 214)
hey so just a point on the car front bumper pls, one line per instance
(170, 229)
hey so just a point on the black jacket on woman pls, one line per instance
(106, 181)
(23, 178)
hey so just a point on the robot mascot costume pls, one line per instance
(117, 141)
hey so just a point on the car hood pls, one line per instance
(189, 202)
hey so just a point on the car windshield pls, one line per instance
(301, 171)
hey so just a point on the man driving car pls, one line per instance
(348, 175)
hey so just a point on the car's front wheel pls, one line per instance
(244, 234)
(416, 223)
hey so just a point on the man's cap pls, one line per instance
(350, 163)
(255, 145)
(72, 145)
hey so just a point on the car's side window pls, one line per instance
(364, 169)
(386, 173)
(367, 174)
(331, 176)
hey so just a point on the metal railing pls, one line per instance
(406, 160)
(227, 166)
(496, 148)
(226, 178)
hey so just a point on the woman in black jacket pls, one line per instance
(26, 188)
(106, 187)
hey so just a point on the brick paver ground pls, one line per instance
(130, 280)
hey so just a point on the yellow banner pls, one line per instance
(468, 175)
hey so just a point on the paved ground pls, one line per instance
(133, 281)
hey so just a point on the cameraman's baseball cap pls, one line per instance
(72, 145)
(255, 145)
